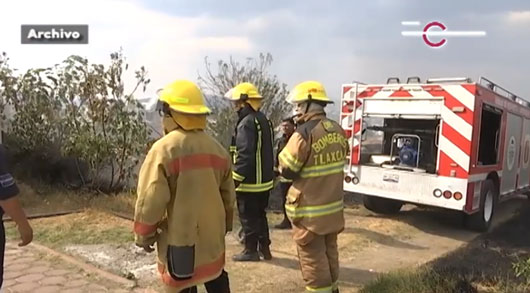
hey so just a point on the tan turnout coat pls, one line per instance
(314, 157)
(186, 197)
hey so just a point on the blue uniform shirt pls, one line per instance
(8, 187)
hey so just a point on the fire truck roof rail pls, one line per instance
(449, 80)
(502, 91)
(392, 80)
(413, 79)
(522, 101)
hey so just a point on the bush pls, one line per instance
(76, 110)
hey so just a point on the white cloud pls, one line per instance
(333, 47)
(519, 17)
(166, 45)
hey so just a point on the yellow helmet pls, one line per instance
(184, 96)
(308, 91)
(243, 91)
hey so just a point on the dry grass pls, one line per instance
(411, 281)
(427, 280)
(42, 200)
(39, 200)
(90, 227)
(122, 203)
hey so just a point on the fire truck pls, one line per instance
(446, 142)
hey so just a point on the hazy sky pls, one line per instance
(332, 41)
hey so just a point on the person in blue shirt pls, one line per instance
(10, 204)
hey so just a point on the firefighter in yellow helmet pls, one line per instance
(186, 195)
(252, 148)
(314, 159)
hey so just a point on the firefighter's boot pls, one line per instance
(246, 255)
(265, 252)
(250, 252)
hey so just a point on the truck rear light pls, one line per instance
(347, 179)
(458, 195)
(448, 194)
(355, 180)
(437, 193)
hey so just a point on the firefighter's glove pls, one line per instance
(147, 248)
(147, 242)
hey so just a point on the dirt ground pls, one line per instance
(370, 245)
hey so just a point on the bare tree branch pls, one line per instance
(217, 81)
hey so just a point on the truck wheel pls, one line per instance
(482, 219)
(381, 205)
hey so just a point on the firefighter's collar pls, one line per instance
(312, 116)
(245, 111)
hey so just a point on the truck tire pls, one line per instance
(381, 205)
(482, 219)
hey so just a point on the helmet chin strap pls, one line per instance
(308, 103)
(169, 124)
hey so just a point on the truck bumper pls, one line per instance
(406, 186)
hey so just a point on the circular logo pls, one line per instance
(427, 28)
(511, 153)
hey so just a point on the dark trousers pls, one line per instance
(284, 188)
(251, 207)
(2, 251)
(219, 285)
